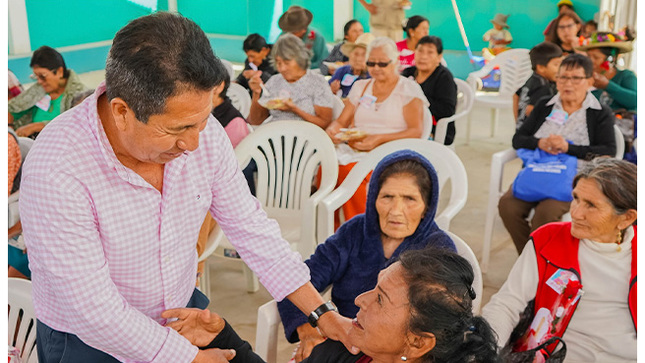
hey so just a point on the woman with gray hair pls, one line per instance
(384, 108)
(294, 92)
(586, 266)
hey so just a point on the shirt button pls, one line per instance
(166, 259)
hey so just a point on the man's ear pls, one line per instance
(419, 345)
(120, 111)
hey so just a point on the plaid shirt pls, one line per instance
(109, 252)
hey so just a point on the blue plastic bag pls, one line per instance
(545, 176)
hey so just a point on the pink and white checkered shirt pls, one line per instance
(108, 252)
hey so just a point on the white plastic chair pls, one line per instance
(445, 161)
(239, 98)
(337, 108)
(268, 324)
(427, 124)
(229, 68)
(496, 190)
(22, 327)
(465, 101)
(287, 154)
(515, 69)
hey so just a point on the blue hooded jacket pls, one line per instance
(352, 258)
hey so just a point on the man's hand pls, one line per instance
(371, 8)
(249, 73)
(309, 338)
(336, 327)
(200, 327)
(214, 356)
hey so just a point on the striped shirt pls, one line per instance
(108, 252)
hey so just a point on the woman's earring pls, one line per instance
(404, 358)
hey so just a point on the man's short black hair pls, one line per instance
(158, 56)
(255, 42)
(48, 57)
(575, 60)
(542, 54)
(431, 39)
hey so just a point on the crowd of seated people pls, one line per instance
(568, 106)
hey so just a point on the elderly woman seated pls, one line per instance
(436, 81)
(345, 76)
(572, 122)
(577, 280)
(401, 206)
(384, 108)
(294, 93)
(55, 88)
(420, 311)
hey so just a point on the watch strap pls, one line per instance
(322, 309)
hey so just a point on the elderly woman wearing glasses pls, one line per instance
(384, 108)
(572, 122)
(52, 95)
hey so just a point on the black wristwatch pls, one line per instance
(316, 314)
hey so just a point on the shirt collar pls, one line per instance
(590, 102)
(108, 152)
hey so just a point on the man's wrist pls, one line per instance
(320, 312)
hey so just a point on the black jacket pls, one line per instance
(600, 125)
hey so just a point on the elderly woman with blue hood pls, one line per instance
(401, 205)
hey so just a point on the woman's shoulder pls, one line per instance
(331, 351)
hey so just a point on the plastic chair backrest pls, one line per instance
(337, 108)
(229, 68)
(427, 124)
(466, 252)
(445, 161)
(515, 69)
(240, 98)
(288, 155)
(620, 142)
(465, 102)
(22, 319)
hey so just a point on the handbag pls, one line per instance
(545, 176)
(528, 356)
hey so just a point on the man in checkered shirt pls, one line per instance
(113, 196)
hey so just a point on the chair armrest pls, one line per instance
(266, 335)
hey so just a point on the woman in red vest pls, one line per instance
(578, 278)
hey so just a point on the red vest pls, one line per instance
(555, 249)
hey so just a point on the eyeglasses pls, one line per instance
(563, 27)
(380, 64)
(565, 79)
(42, 76)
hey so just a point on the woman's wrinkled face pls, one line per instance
(288, 68)
(378, 72)
(420, 31)
(592, 215)
(380, 327)
(426, 57)
(357, 59)
(573, 84)
(51, 81)
(354, 32)
(567, 29)
(400, 206)
(597, 58)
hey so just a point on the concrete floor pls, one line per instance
(230, 299)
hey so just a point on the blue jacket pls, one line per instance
(351, 259)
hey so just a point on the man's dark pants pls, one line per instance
(58, 347)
